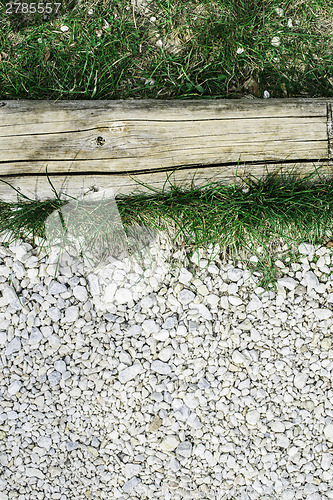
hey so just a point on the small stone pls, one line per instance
(170, 443)
(254, 304)
(186, 296)
(160, 367)
(54, 313)
(109, 292)
(71, 314)
(33, 472)
(150, 326)
(277, 426)
(131, 484)
(203, 384)
(80, 293)
(170, 322)
(213, 299)
(72, 445)
(3, 338)
(282, 441)
(148, 302)
(238, 358)
(45, 442)
(202, 310)
(252, 417)
(235, 274)
(13, 346)
(211, 460)
(300, 380)
(326, 461)
(60, 366)
(306, 249)
(93, 283)
(286, 282)
(55, 288)
(322, 314)
(311, 280)
(185, 276)
(130, 373)
(161, 335)
(165, 354)
(191, 401)
(174, 464)
(54, 378)
(194, 421)
(328, 431)
(35, 337)
(132, 469)
(14, 387)
(155, 424)
(235, 301)
(184, 449)
(123, 296)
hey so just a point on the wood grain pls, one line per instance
(90, 146)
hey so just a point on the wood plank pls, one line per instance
(96, 187)
(105, 143)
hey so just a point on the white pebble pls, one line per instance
(300, 380)
(13, 346)
(123, 296)
(160, 367)
(129, 373)
(252, 417)
(165, 354)
(328, 431)
(186, 296)
(170, 443)
(14, 387)
(80, 293)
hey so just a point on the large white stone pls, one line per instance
(277, 426)
(14, 387)
(186, 296)
(160, 367)
(170, 443)
(13, 346)
(33, 472)
(191, 400)
(235, 301)
(238, 358)
(80, 293)
(132, 469)
(300, 380)
(129, 373)
(184, 449)
(235, 274)
(55, 288)
(328, 432)
(71, 314)
(252, 417)
(123, 295)
(322, 314)
(287, 282)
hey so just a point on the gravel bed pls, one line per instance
(145, 382)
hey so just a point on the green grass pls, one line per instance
(111, 53)
(257, 213)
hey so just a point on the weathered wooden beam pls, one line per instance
(90, 146)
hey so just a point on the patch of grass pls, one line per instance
(168, 50)
(254, 217)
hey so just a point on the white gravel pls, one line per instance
(129, 382)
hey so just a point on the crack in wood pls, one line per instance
(173, 168)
